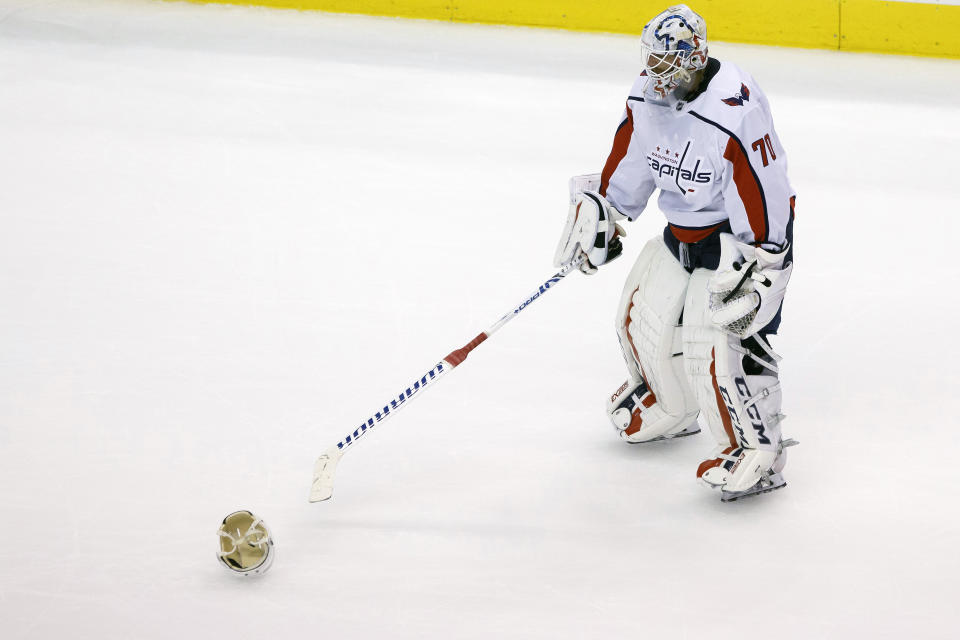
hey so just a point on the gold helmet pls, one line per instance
(246, 546)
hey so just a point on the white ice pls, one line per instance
(229, 234)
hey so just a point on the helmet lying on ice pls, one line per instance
(674, 46)
(246, 547)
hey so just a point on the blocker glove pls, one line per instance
(748, 287)
(592, 230)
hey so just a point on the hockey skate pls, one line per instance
(769, 481)
(733, 472)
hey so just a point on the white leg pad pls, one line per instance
(647, 318)
(743, 411)
(700, 338)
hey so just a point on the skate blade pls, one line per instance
(771, 483)
(689, 431)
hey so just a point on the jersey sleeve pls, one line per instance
(756, 191)
(626, 181)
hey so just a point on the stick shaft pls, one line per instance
(326, 464)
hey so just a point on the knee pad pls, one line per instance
(735, 381)
(647, 326)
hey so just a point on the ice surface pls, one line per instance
(229, 233)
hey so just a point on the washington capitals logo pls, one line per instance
(740, 98)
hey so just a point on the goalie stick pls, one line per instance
(326, 465)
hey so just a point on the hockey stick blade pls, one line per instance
(323, 472)
(326, 465)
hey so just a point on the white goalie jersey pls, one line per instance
(714, 158)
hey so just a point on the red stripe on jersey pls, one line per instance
(692, 235)
(748, 187)
(793, 204)
(621, 142)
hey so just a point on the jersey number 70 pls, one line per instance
(759, 144)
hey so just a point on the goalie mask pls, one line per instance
(246, 547)
(674, 46)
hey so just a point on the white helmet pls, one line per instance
(246, 547)
(674, 46)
